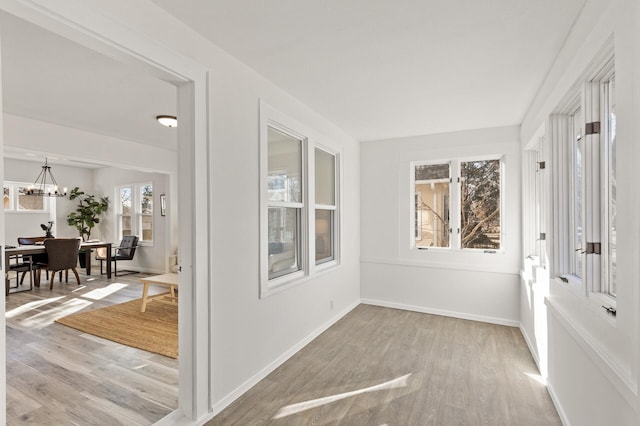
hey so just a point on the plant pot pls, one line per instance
(82, 258)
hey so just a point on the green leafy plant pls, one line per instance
(87, 214)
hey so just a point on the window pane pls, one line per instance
(147, 228)
(126, 225)
(146, 199)
(612, 190)
(480, 204)
(146, 208)
(431, 221)
(7, 198)
(578, 200)
(284, 178)
(325, 178)
(284, 241)
(29, 202)
(125, 200)
(324, 236)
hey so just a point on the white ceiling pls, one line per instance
(376, 68)
(391, 68)
(49, 78)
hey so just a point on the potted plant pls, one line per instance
(87, 214)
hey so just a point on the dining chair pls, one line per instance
(62, 255)
(125, 251)
(18, 264)
(37, 260)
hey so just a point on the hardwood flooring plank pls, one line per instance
(58, 375)
(380, 366)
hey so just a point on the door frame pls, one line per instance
(82, 24)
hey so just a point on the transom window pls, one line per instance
(16, 199)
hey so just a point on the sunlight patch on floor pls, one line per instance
(101, 293)
(306, 405)
(44, 319)
(538, 378)
(30, 306)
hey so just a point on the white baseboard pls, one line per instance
(532, 349)
(442, 312)
(556, 403)
(252, 381)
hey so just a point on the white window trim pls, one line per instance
(49, 203)
(335, 208)
(271, 117)
(136, 214)
(455, 243)
(592, 289)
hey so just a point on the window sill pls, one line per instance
(591, 301)
(494, 267)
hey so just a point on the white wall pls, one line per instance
(252, 335)
(148, 258)
(593, 359)
(467, 285)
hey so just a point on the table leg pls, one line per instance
(6, 275)
(109, 261)
(87, 261)
(145, 291)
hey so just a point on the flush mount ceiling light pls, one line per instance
(167, 120)
(45, 184)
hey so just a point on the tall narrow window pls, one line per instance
(480, 204)
(325, 205)
(431, 198)
(610, 167)
(124, 213)
(285, 203)
(578, 248)
(146, 212)
(135, 211)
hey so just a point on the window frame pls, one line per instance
(311, 140)
(48, 203)
(595, 283)
(455, 205)
(136, 211)
(334, 208)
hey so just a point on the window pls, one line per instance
(432, 205)
(16, 199)
(284, 180)
(586, 243)
(576, 203)
(472, 220)
(299, 219)
(135, 211)
(325, 224)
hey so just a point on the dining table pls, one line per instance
(85, 247)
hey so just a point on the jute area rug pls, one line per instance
(155, 330)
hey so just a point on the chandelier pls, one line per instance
(45, 184)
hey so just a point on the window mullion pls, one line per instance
(455, 210)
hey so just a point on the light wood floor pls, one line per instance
(60, 376)
(380, 366)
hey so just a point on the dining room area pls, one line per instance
(76, 336)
